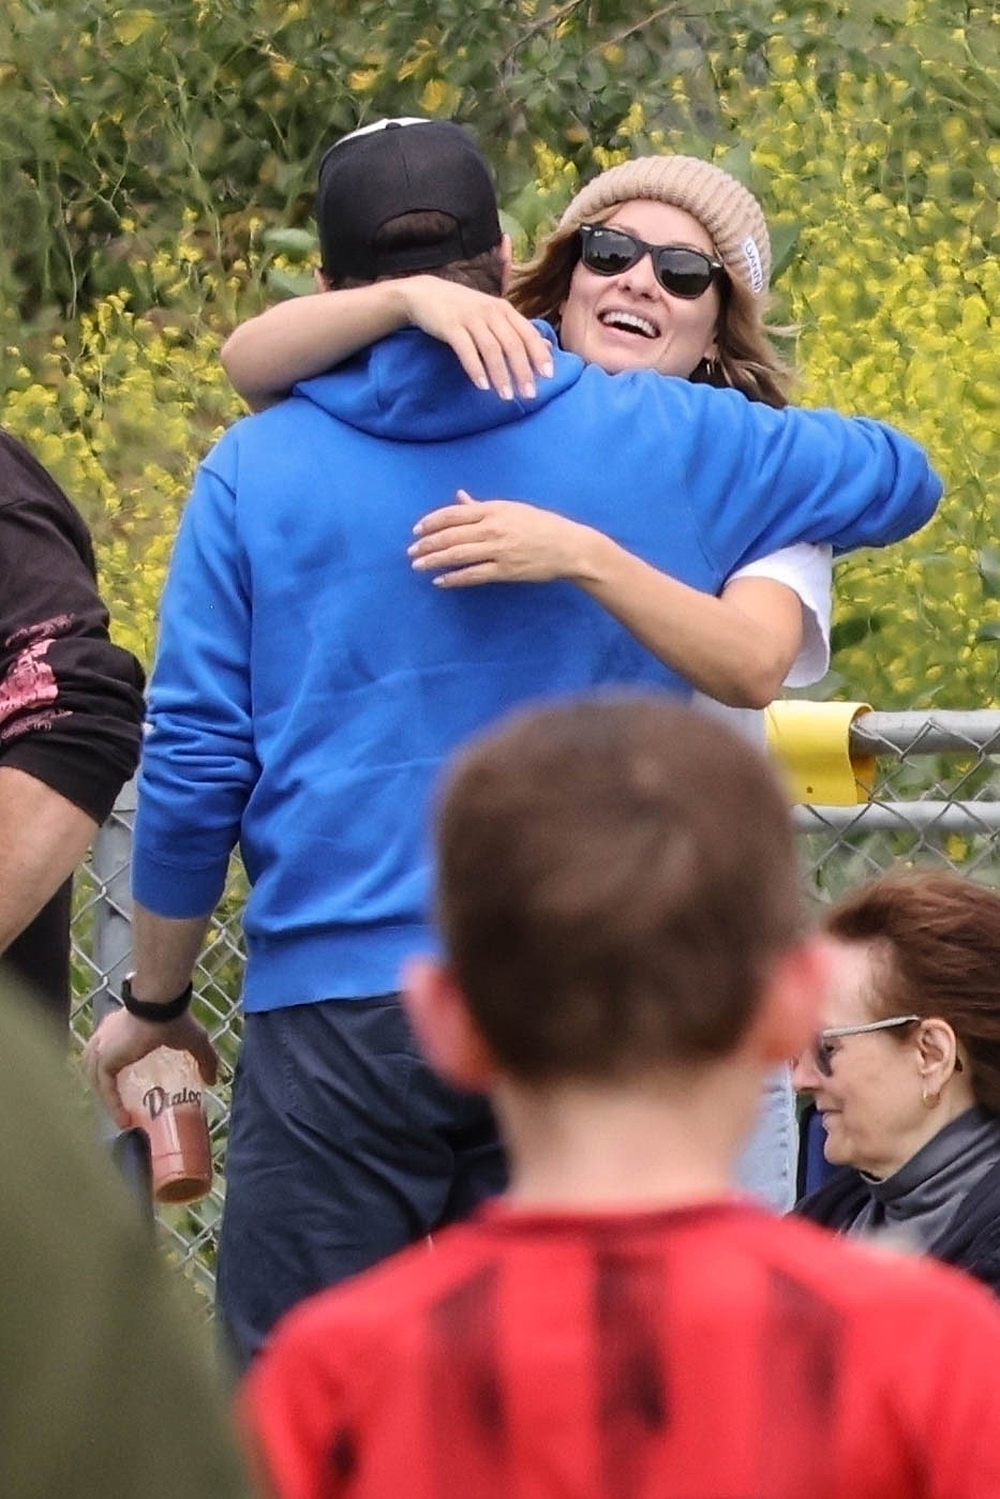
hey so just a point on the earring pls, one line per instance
(929, 1100)
(710, 367)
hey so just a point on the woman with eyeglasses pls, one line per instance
(906, 1073)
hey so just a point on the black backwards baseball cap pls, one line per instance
(402, 166)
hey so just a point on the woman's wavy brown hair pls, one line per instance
(747, 361)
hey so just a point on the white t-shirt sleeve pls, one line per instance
(808, 571)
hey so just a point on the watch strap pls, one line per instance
(159, 1014)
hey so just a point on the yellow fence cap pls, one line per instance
(812, 743)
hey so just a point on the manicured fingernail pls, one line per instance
(528, 391)
(505, 393)
(548, 368)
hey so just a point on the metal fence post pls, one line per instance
(110, 861)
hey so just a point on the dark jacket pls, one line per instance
(71, 703)
(971, 1241)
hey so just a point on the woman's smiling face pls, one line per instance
(869, 1091)
(629, 321)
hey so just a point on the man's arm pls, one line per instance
(70, 700)
(820, 477)
(199, 767)
(43, 837)
(755, 479)
(199, 762)
(166, 950)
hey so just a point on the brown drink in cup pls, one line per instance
(164, 1095)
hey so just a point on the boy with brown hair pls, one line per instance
(626, 956)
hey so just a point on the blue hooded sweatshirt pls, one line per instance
(309, 685)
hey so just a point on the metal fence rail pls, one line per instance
(936, 801)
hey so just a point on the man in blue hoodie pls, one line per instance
(309, 685)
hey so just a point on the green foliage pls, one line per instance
(115, 118)
(894, 286)
(157, 165)
(120, 409)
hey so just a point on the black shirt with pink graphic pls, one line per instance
(70, 700)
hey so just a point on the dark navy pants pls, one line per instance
(343, 1147)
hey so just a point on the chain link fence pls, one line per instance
(936, 800)
(101, 956)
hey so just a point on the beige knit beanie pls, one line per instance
(727, 209)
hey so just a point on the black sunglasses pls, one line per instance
(680, 271)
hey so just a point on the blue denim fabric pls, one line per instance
(767, 1169)
(814, 1168)
(343, 1148)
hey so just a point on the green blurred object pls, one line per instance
(112, 1388)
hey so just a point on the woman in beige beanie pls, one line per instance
(786, 594)
(732, 228)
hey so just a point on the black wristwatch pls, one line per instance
(142, 1009)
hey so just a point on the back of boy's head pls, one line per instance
(614, 876)
(403, 196)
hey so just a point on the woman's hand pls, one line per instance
(498, 541)
(497, 347)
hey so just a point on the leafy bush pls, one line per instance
(894, 181)
(121, 112)
(120, 410)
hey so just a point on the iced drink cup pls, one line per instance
(164, 1095)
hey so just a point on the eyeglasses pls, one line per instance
(680, 271)
(823, 1053)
